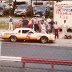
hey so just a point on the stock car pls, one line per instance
(27, 34)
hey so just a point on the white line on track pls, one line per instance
(61, 44)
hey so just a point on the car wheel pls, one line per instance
(13, 39)
(44, 39)
(69, 37)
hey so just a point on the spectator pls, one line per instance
(35, 23)
(48, 20)
(64, 28)
(30, 24)
(10, 23)
(48, 29)
(56, 30)
(52, 25)
(19, 24)
(25, 22)
(43, 27)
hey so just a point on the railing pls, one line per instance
(25, 60)
(46, 61)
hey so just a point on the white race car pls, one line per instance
(27, 34)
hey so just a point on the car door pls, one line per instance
(31, 35)
(22, 34)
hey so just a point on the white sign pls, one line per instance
(63, 11)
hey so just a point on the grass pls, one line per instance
(3, 25)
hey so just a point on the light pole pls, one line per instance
(15, 4)
(36, 1)
(31, 2)
(9, 7)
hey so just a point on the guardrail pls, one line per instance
(25, 60)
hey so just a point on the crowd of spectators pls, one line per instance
(39, 24)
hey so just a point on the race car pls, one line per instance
(27, 34)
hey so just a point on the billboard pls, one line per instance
(63, 11)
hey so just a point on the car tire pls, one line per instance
(13, 38)
(69, 37)
(44, 39)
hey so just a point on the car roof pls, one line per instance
(24, 28)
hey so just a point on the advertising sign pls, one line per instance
(63, 11)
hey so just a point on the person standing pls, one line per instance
(48, 20)
(10, 23)
(25, 22)
(19, 24)
(48, 28)
(30, 23)
(35, 22)
(43, 27)
(64, 28)
(52, 25)
(56, 30)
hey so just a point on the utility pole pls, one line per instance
(9, 7)
(31, 2)
(14, 5)
(36, 1)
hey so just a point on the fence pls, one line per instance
(20, 62)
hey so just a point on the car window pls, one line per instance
(22, 7)
(30, 32)
(40, 8)
(25, 31)
(19, 31)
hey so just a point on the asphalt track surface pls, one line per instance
(59, 50)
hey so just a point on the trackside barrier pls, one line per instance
(52, 62)
(25, 60)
